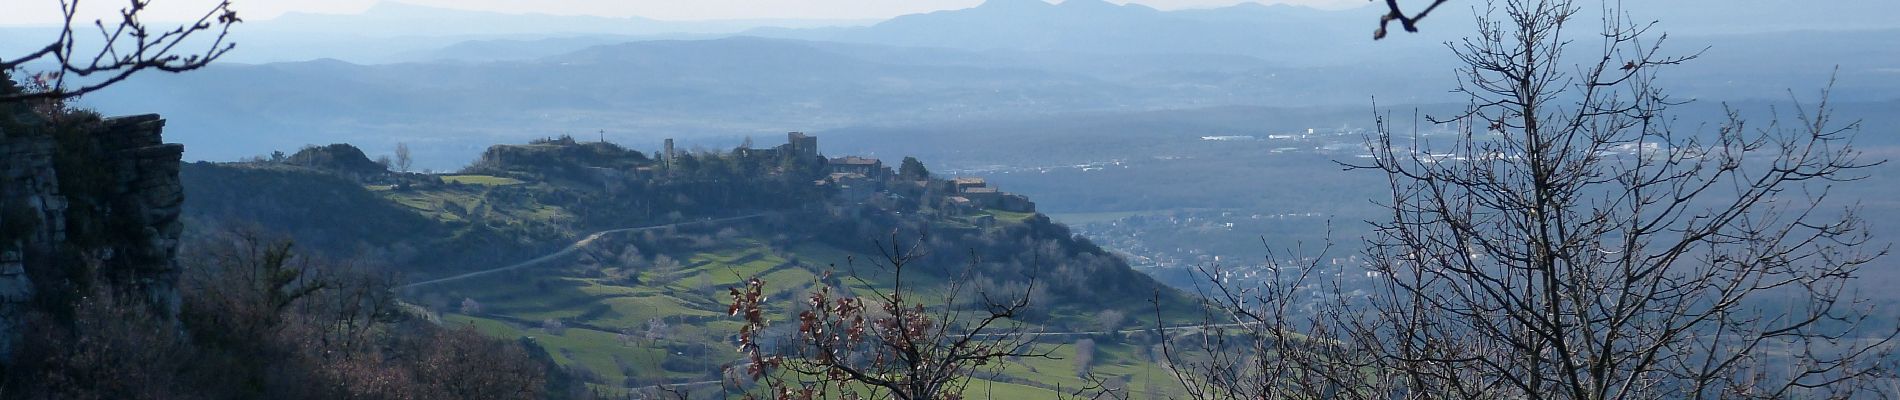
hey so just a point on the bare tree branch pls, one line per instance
(124, 47)
(895, 346)
(1408, 22)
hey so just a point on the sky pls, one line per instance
(41, 12)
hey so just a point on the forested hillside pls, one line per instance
(617, 262)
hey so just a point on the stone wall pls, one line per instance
(140, 199)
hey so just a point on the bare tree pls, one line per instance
(890, 345)
(462, 363)
(665, 269)
(403, 160)
(125, 45)
(657, 329)
(1574, 244)
(470, 306)
(1084, 356)
(1275, 341)
(1110, 321)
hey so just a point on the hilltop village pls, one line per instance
(855, 179)
(519, 199)
(616, 263)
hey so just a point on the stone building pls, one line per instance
(852, 186)
(869, 167)
(980, 194)
(1015, 203)
(962, 183)
(798, 144)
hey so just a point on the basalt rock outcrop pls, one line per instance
(342, 159)
(114, 216)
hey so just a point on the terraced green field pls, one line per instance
(1009, 216)
(457, 203)
(484, 180)
(439, 204)
(605, 312)
(607, 321)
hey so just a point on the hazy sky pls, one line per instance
(47, 11)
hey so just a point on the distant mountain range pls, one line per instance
(1003, 59)
(394, 19)
(723, 87)
(1291, 35)
(1288, 35)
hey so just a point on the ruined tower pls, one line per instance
(801, 145)
(668, 156)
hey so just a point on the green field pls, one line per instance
(1009, 216)
(606, 308)
(462, 203)
(484, 180)
(596, 309)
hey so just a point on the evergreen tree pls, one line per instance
(913, 170)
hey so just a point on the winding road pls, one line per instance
(576, 247)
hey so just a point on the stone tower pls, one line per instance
(668, 157)
(801, 145)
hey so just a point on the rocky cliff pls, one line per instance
(104, 202)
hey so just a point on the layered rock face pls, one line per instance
(32, 221)
(136, 202)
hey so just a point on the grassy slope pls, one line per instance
(596, 302)
(595, 308)
(456, 203)
(692, 301)
(484, 180)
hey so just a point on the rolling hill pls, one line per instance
(617, 266)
